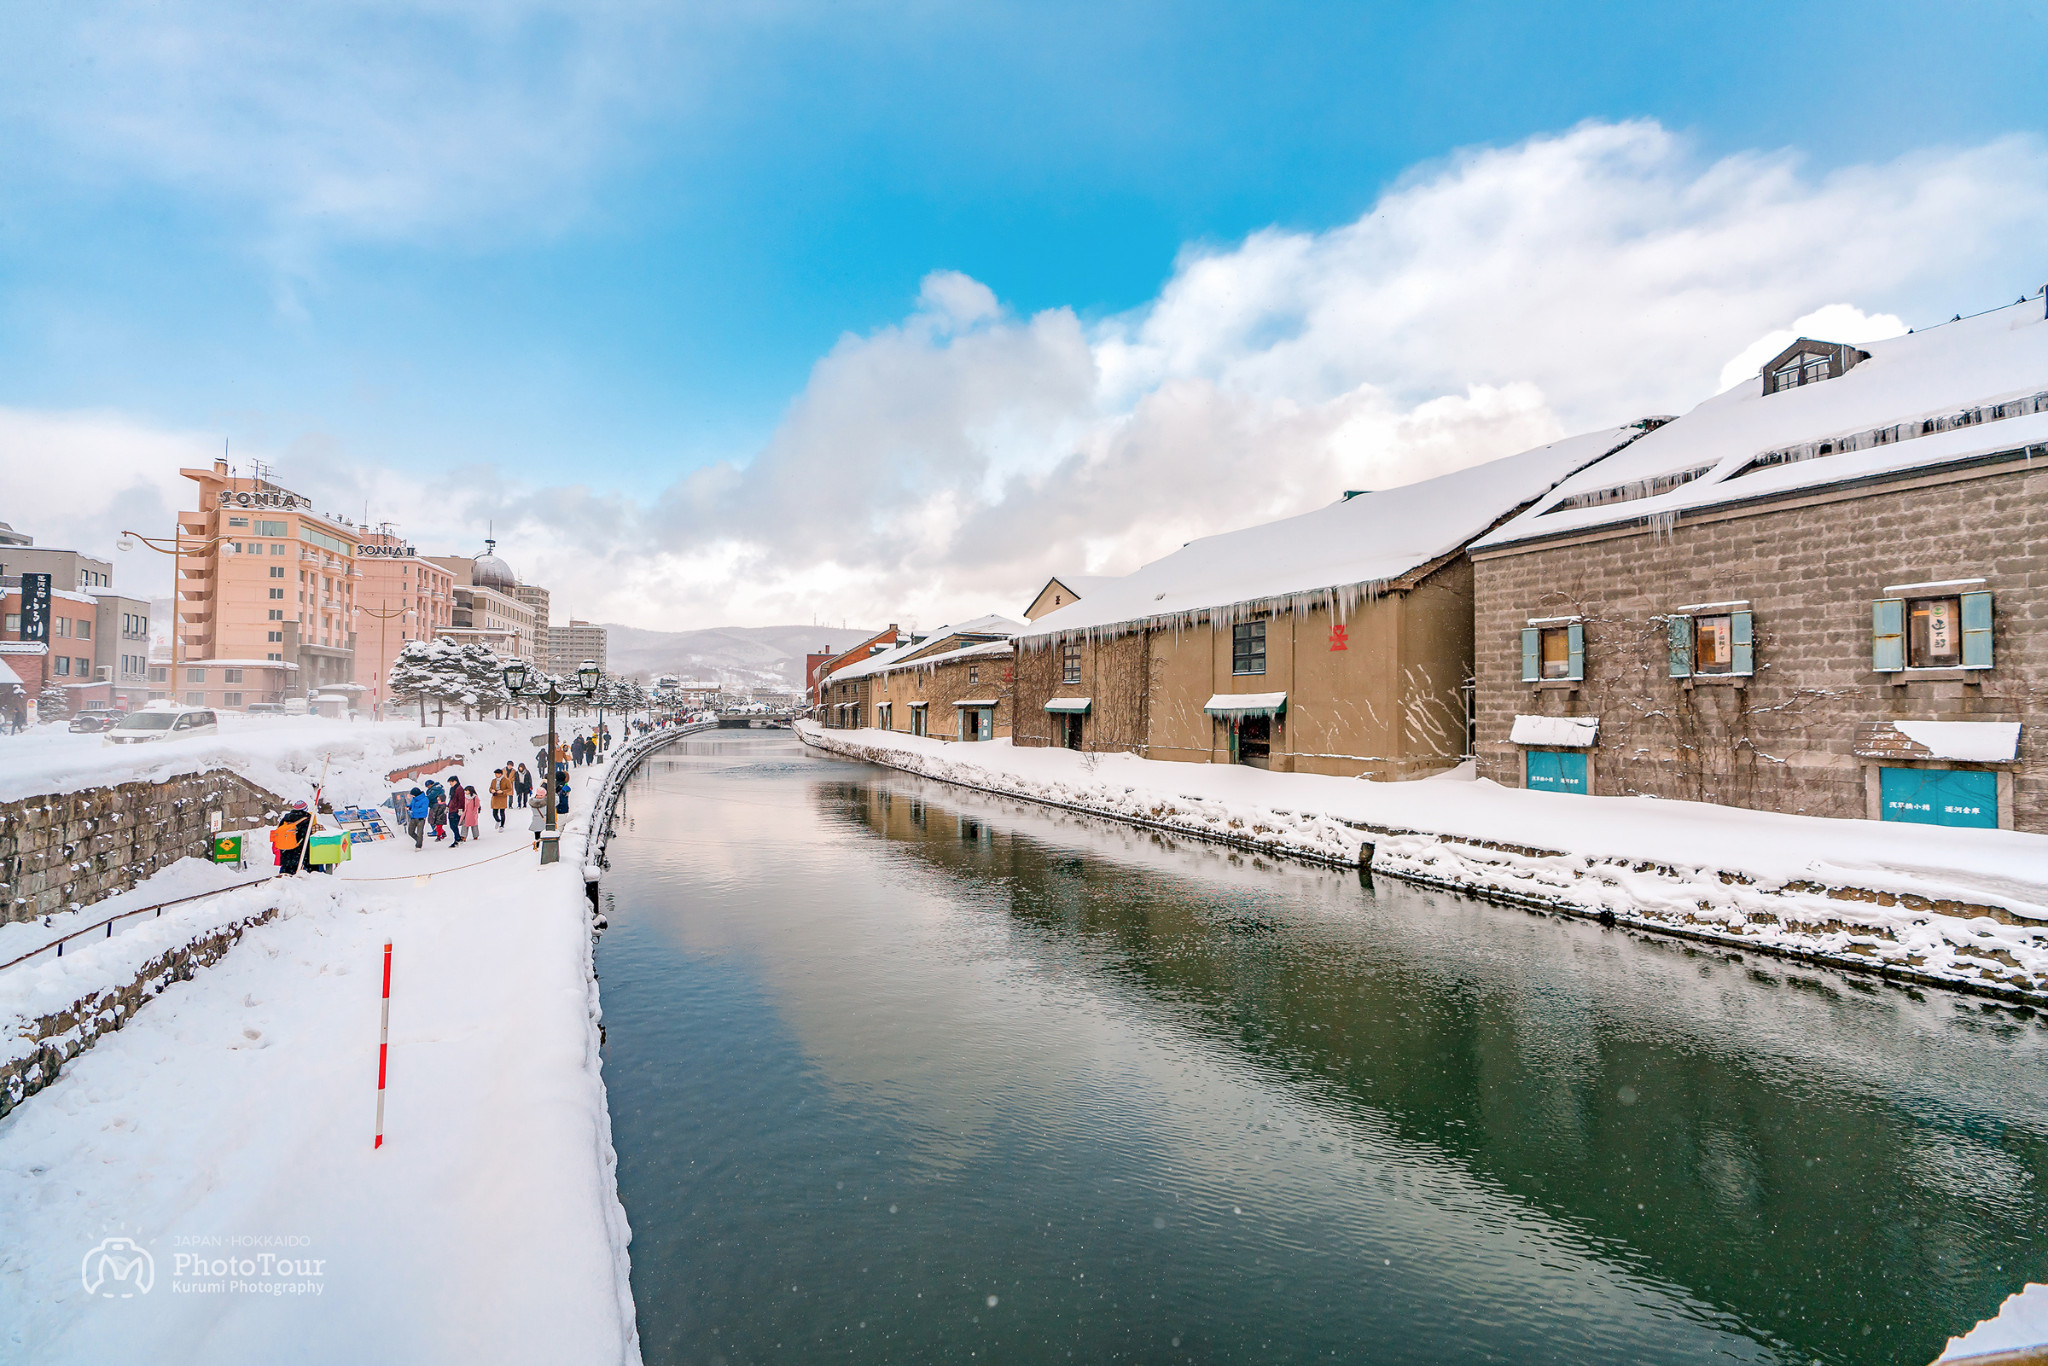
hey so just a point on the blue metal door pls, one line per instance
(1551, 771)
(1939, 796)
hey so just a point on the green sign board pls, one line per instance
(227, 848)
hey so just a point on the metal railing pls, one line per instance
(108, 923)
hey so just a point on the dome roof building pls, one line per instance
(488, 571)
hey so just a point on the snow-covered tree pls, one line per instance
(53, 703)
(484, 677)
(432, 671)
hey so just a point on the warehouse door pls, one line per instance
(1940, 796)
(1554, 771)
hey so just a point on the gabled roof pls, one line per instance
(1352, 547)
(1063, 588)
(1947, 393)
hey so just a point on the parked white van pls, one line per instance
(145, 727)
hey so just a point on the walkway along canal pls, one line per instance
(903, 1072)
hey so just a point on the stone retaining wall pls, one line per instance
(78, 847)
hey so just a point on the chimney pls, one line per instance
(220, 466)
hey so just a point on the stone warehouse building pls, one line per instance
(1824, 591)
(953, 684)
(1337, 642)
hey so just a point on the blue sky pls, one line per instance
(592, 269)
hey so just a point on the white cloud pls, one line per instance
(76, 481)
(944, 465)
(376, 120)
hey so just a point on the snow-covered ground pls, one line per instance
(274, 752)
(1658, 863)
(232, 1118)
(2021, 1322)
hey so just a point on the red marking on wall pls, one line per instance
(1337, 638)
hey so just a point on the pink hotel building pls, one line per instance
(281, 603)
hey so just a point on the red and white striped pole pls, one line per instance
(383, 1045)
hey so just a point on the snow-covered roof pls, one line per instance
(905, 654)
(23, 647)
(235, 664)
(1362, 541)
(990, 649)
(8, 677)
(1947, 393)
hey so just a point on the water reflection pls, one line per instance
(1166, 1101)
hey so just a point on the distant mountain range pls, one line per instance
(751, 656)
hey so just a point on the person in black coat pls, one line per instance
(301, 820)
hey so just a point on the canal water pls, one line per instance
(901, 1072)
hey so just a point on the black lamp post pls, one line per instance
(550, 697)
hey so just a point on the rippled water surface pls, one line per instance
(904, 1073)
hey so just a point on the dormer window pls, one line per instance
(1804, 368)
(1807, 361)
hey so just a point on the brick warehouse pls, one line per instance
(1823, 592)
(1336, 642)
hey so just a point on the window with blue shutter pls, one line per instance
(1531, 658)
(1976, 630)
(1578, 650)
(1888, 635)
(1679, 632)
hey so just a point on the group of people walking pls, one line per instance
(586, 749)
(441, 809)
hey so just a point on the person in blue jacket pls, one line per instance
(561, 791)
(416, 819)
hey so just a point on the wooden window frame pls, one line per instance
(1241, 634)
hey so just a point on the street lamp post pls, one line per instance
(551, 696)
(177, 547)
(383, 622)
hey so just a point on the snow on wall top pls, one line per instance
(1565, 731)
(1984, 742)
(1878, 408)
(1353, 544)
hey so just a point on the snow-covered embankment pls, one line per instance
(1960, 908)
(226, 1129)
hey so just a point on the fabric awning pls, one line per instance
(1246, 704)
(1569, 732)
(979, 702)
(1068, 704)
(915, 705)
